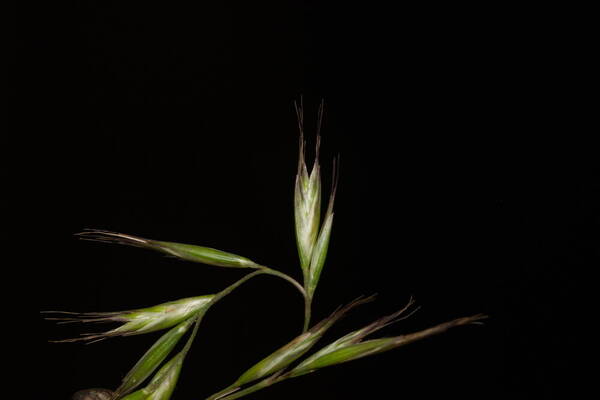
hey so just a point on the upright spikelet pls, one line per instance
(312, 237)
(307, 198)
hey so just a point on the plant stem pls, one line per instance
(214, 300)
(190, 340)
(302, 290)
(234, 285)
(307, 312)
(230, 392)
(288, 278)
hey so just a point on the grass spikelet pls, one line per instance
(352, 347)
(163, 384)
(188, 252)
(138, 321)
(153, 358)
(307, 197)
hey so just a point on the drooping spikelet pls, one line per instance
(138, 321)
(188, 252)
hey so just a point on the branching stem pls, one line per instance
(231, 392)
(288, 278)
(214, 300)
(302, 290)
(261, 270)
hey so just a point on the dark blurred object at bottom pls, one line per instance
(93, 394)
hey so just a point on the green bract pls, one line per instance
(307, 206)
(340, 355)
(161, 316)
(163, 384)
(319, 253)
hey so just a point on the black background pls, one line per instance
(462, 183)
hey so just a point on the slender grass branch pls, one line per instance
(262, 270)
(301, 289)
(200, 315)
(288, 278)
(234, 285)
(307, 312)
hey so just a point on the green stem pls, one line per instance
(231, 392)
(233, 286)
(307, 298)
(307, 312)
(190, 340)
(214, 300)
(260, 271)
(288, 278)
